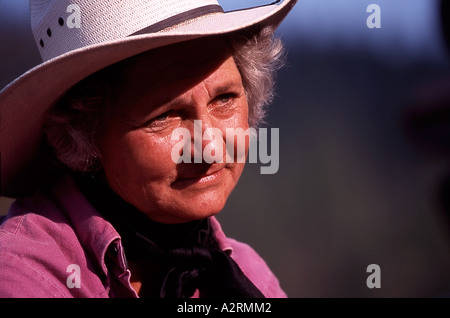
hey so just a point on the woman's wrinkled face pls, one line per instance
(166, 89)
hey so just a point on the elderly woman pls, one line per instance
(103, 210)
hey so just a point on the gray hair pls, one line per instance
(74, 124)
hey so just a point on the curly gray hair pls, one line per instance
(72, 126)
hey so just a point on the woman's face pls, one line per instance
(169, 88)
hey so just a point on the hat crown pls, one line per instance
(60, 26)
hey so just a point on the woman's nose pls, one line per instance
(207, 143)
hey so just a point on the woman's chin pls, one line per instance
(187, 212)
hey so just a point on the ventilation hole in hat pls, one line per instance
(41, 42)
(49, 33)
(61, 21)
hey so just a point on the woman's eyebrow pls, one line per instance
(228, 86)
(214, 88)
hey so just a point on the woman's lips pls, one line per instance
(204, 179)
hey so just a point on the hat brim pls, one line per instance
(24, 102)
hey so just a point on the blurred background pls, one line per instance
(364, 149)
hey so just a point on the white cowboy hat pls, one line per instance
(79, 37)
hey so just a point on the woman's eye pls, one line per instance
(158, 119)
(162, 117)
(225, 98)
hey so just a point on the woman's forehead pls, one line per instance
(190, 61)
(166, 73)
(190, 54)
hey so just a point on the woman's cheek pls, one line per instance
(149, 154)
(238, 133)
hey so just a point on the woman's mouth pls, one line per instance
(208, 178)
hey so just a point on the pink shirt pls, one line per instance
(57, 245)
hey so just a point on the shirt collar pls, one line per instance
(95, 233)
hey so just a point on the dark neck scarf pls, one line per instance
(180, 258)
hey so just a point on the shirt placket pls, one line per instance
(118, 273)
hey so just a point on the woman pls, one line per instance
(87, 138)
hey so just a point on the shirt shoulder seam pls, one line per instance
(60, 292)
